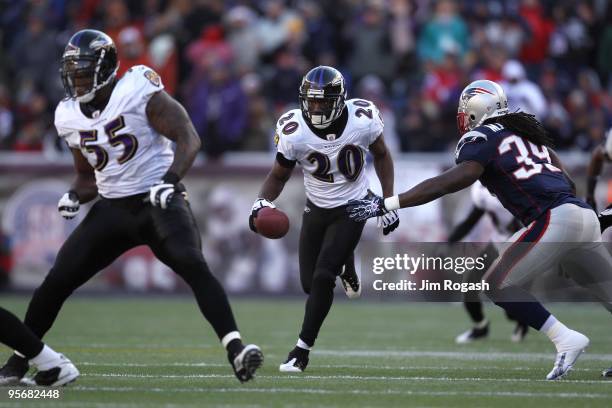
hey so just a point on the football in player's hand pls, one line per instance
(272, 223)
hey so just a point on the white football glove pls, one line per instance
(68, 206)
(161, 194)
(258, 205)
(388, 222)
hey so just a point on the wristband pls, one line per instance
(392, 203)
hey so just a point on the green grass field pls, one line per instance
(158, 352)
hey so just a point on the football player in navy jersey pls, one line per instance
(509, 154)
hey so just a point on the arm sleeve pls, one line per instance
(475, 146)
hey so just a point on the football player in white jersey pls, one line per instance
(505, 224)
(52, 368)
(120, 133)
(601, 154)
(329, 138)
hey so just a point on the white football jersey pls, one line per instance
(333, 167)
(608, 144)
(128, 155)
(501, 218)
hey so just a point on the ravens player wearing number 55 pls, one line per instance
(120, 133)
(329, 137)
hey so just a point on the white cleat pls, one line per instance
(351, 283)
(290, 367)
(566, 359)
(63, 373)
(296, 362)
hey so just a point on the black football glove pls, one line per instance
(361, 210)
(258, 205)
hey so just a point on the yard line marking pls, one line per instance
(458, 355)
(340, 392)
(93, 364)
(334, 366)
(343, 377)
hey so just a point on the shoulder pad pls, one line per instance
(473, 136)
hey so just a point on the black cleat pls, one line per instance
(296, 362)
(519, 333)
(607, 373)
(350, 282)
(247, 362)
(14, 370)
(475, 333)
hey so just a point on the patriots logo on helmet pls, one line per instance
(475, 91)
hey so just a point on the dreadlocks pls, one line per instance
(524, 125)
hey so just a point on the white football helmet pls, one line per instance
(478, 102)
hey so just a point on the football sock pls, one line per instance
(317, 306)
(482, 324)
(232, 343)
(17, 336)
(474, 309)
(558, 333)
(531, 313)
(46, 359)
(301, 344)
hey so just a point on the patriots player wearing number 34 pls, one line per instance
(509, 154)
(120, 133)
(328, 137)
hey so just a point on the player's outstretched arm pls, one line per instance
(169, 118)
(593, 172)
(452, 180)
(84, 185)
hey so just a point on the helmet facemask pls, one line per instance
(86, 72)
(321, 110)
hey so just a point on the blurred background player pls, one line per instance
(504, 223)
(53, 369)
(329, 138)
(120, 133)
(601, 154)
(509, 154)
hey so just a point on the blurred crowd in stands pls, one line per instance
(236, 65)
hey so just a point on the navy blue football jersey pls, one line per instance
(517, 171)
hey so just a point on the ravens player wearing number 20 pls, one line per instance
(510, 154)
(328, 137)
(120, 133)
